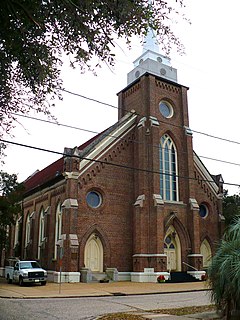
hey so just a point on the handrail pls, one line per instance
(190, 266)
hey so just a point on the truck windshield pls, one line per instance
(29, 265)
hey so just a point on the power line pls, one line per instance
(219, 160)
(161, 121)
(91, 99)
(112, 164)
(109, 135)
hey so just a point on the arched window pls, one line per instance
(17, 231)
(206, 252)
(41, 232)
(27, 230)
(168, 169)
(58, 227)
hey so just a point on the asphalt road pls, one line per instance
(90, 308)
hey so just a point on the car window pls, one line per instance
(35, 264)
(29, 265)
(25, 265)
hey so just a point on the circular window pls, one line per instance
(163, 71)
(94, 199)
(166, 109)
(203, 211)
(137, 74)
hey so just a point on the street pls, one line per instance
(90, 308)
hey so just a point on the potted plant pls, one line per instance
(161, 278)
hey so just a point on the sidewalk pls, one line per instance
(70, 290)
(54, 290)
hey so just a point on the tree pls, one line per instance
(231, 208)
(224, 273)
(35, 33)
(10, 207)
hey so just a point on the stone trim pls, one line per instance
(221, 217)
(54, 276)
(206, 175)
(148, 276)
(142, 122)
(195, 255)
(154, 121)
(73, 238)
(188, 131)
(157, 199)
(32, 215)
(47, 211)
(70, 203)
(71, 175)
(193, 203)
(137, 255)
(139, 201)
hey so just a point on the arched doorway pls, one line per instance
(206, 252)
(93, 254)
(172, 249)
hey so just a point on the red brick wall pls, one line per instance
(123, 228)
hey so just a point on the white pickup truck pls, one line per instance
(21, 271)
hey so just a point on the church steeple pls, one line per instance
(151, 61)
(150, 42)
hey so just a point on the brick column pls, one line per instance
(70, 241)
(195, 259)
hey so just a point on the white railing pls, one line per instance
(186, 264)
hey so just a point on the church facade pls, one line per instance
(134, 201)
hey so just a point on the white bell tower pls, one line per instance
(151, 61)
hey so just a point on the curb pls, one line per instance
(110, 294)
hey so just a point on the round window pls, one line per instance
(203, 210)
(94, 199)
(166, 109)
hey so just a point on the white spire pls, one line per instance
(151, 61)
(150, 42)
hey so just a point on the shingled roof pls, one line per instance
(52, 172)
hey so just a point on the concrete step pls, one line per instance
(98, 276)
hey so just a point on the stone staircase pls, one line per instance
(98, 276)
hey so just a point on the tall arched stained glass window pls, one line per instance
(58, 227)
(168, 169)
(41, 232)
(28, 229)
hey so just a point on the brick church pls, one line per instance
(133, 202)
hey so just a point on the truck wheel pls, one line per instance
(21, 283)
(43, 283)
(8, 279)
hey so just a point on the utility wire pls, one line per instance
(112, 164)
(161, 121)
(91, 99)
(109, 135)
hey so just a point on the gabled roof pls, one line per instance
(53, 172)
(210, 180)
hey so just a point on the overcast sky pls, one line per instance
(210, 68)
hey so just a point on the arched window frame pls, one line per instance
(17, 231)
(27, 230)
(168, 169)
(206, 259)
(58, 227)
(41, 232)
